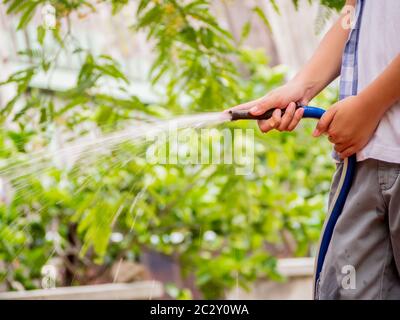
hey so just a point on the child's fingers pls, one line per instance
(340, 147)
(264, 125)
(348, 152)
(274, 122)
(324, 122)
(245, 106)
(298, 115)
(287, 117)
(276, 118)
(264, 105)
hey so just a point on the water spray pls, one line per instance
(339, 199)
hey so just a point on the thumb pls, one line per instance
(304, 101)
(264, 105)
(245, 106)
(324, 122)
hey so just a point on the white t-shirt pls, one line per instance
(378, 45)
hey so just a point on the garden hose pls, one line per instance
(339, 199)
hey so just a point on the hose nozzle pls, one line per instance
(246, 115)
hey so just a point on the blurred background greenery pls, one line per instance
(220, 229)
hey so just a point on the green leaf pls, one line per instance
(275, 6)
(15, 6)
(263, 17)
(154, 14)
(207, 37)
(245, 31)
(142, 5)
(27, 15)
(41, 33)
(117, 5)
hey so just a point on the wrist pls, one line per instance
(308, 87)
(369, 104)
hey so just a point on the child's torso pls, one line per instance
(378, 45)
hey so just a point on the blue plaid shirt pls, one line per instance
(349, 69)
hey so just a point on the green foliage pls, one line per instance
(232, 227)
(193, 53)
(334, 4)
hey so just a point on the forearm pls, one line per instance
(384, 91)
(324, 65)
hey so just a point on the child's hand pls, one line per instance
(282, 97)
(349, 125)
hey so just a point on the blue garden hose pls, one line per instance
(339, 199)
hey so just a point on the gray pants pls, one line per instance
(363, 258)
